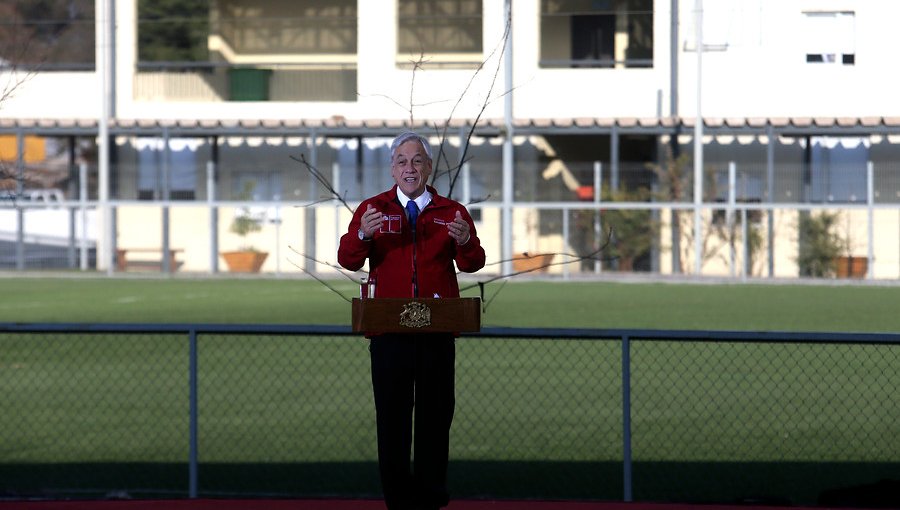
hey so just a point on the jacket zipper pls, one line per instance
(415, 280)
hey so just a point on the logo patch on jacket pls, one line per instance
(442, 222)
(390, 224)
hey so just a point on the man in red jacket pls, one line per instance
(412, 237)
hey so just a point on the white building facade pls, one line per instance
(570, 116)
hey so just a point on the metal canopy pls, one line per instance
(339, 127)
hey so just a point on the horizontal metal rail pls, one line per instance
(488, 332)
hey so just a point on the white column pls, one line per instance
(698, 146)
(506, 214)
(104, 59)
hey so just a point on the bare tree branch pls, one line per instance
(453, 171)
(484, 105)
(480, 199)
(486, 302)
(339, 269)
(322, 180)
(16, 50)
(320, 280)
(594, 255)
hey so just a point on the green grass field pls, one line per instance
(756, 307)
(90, 413)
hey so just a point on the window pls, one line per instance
(48, 35)
(247, 31)
(838, 169)
(257, 186)
(173, 31)
(301, 31)
(246, 50)
(596, 33)
(45, 172)
(830, 38)
(447, 33)
(176, 177)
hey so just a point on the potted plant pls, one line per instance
(820, 244)
(246, 259)
(847, 264)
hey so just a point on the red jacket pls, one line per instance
(391, 251)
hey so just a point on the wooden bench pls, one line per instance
(146, 258)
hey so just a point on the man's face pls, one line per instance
(411, 168)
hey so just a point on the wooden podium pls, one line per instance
(416, 315)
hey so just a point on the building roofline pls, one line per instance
(340, 127)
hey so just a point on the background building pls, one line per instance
(556, 119)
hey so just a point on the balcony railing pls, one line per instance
(217, 82)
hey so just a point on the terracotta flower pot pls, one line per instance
(852, 267)
(244, 261)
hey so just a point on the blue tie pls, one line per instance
(413, 212)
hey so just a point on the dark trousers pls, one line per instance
(413, 371)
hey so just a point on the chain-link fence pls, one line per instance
(283, 411)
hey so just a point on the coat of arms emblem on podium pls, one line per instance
(415, 315)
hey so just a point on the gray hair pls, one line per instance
(407, 136)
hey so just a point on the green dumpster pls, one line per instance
(248, 84)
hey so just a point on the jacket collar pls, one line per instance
(436, 200)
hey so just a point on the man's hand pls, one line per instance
(459, 229)
(370, 222)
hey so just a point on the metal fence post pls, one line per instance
(166, 265)
(192, 383)
(770, 198)
(82, 199)
(745, 233)
(870, 206)
(213, 217)
(598, 182)
(626, 418)
(565, 228)
(20, 191)
(336, 183)
(732, 183)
